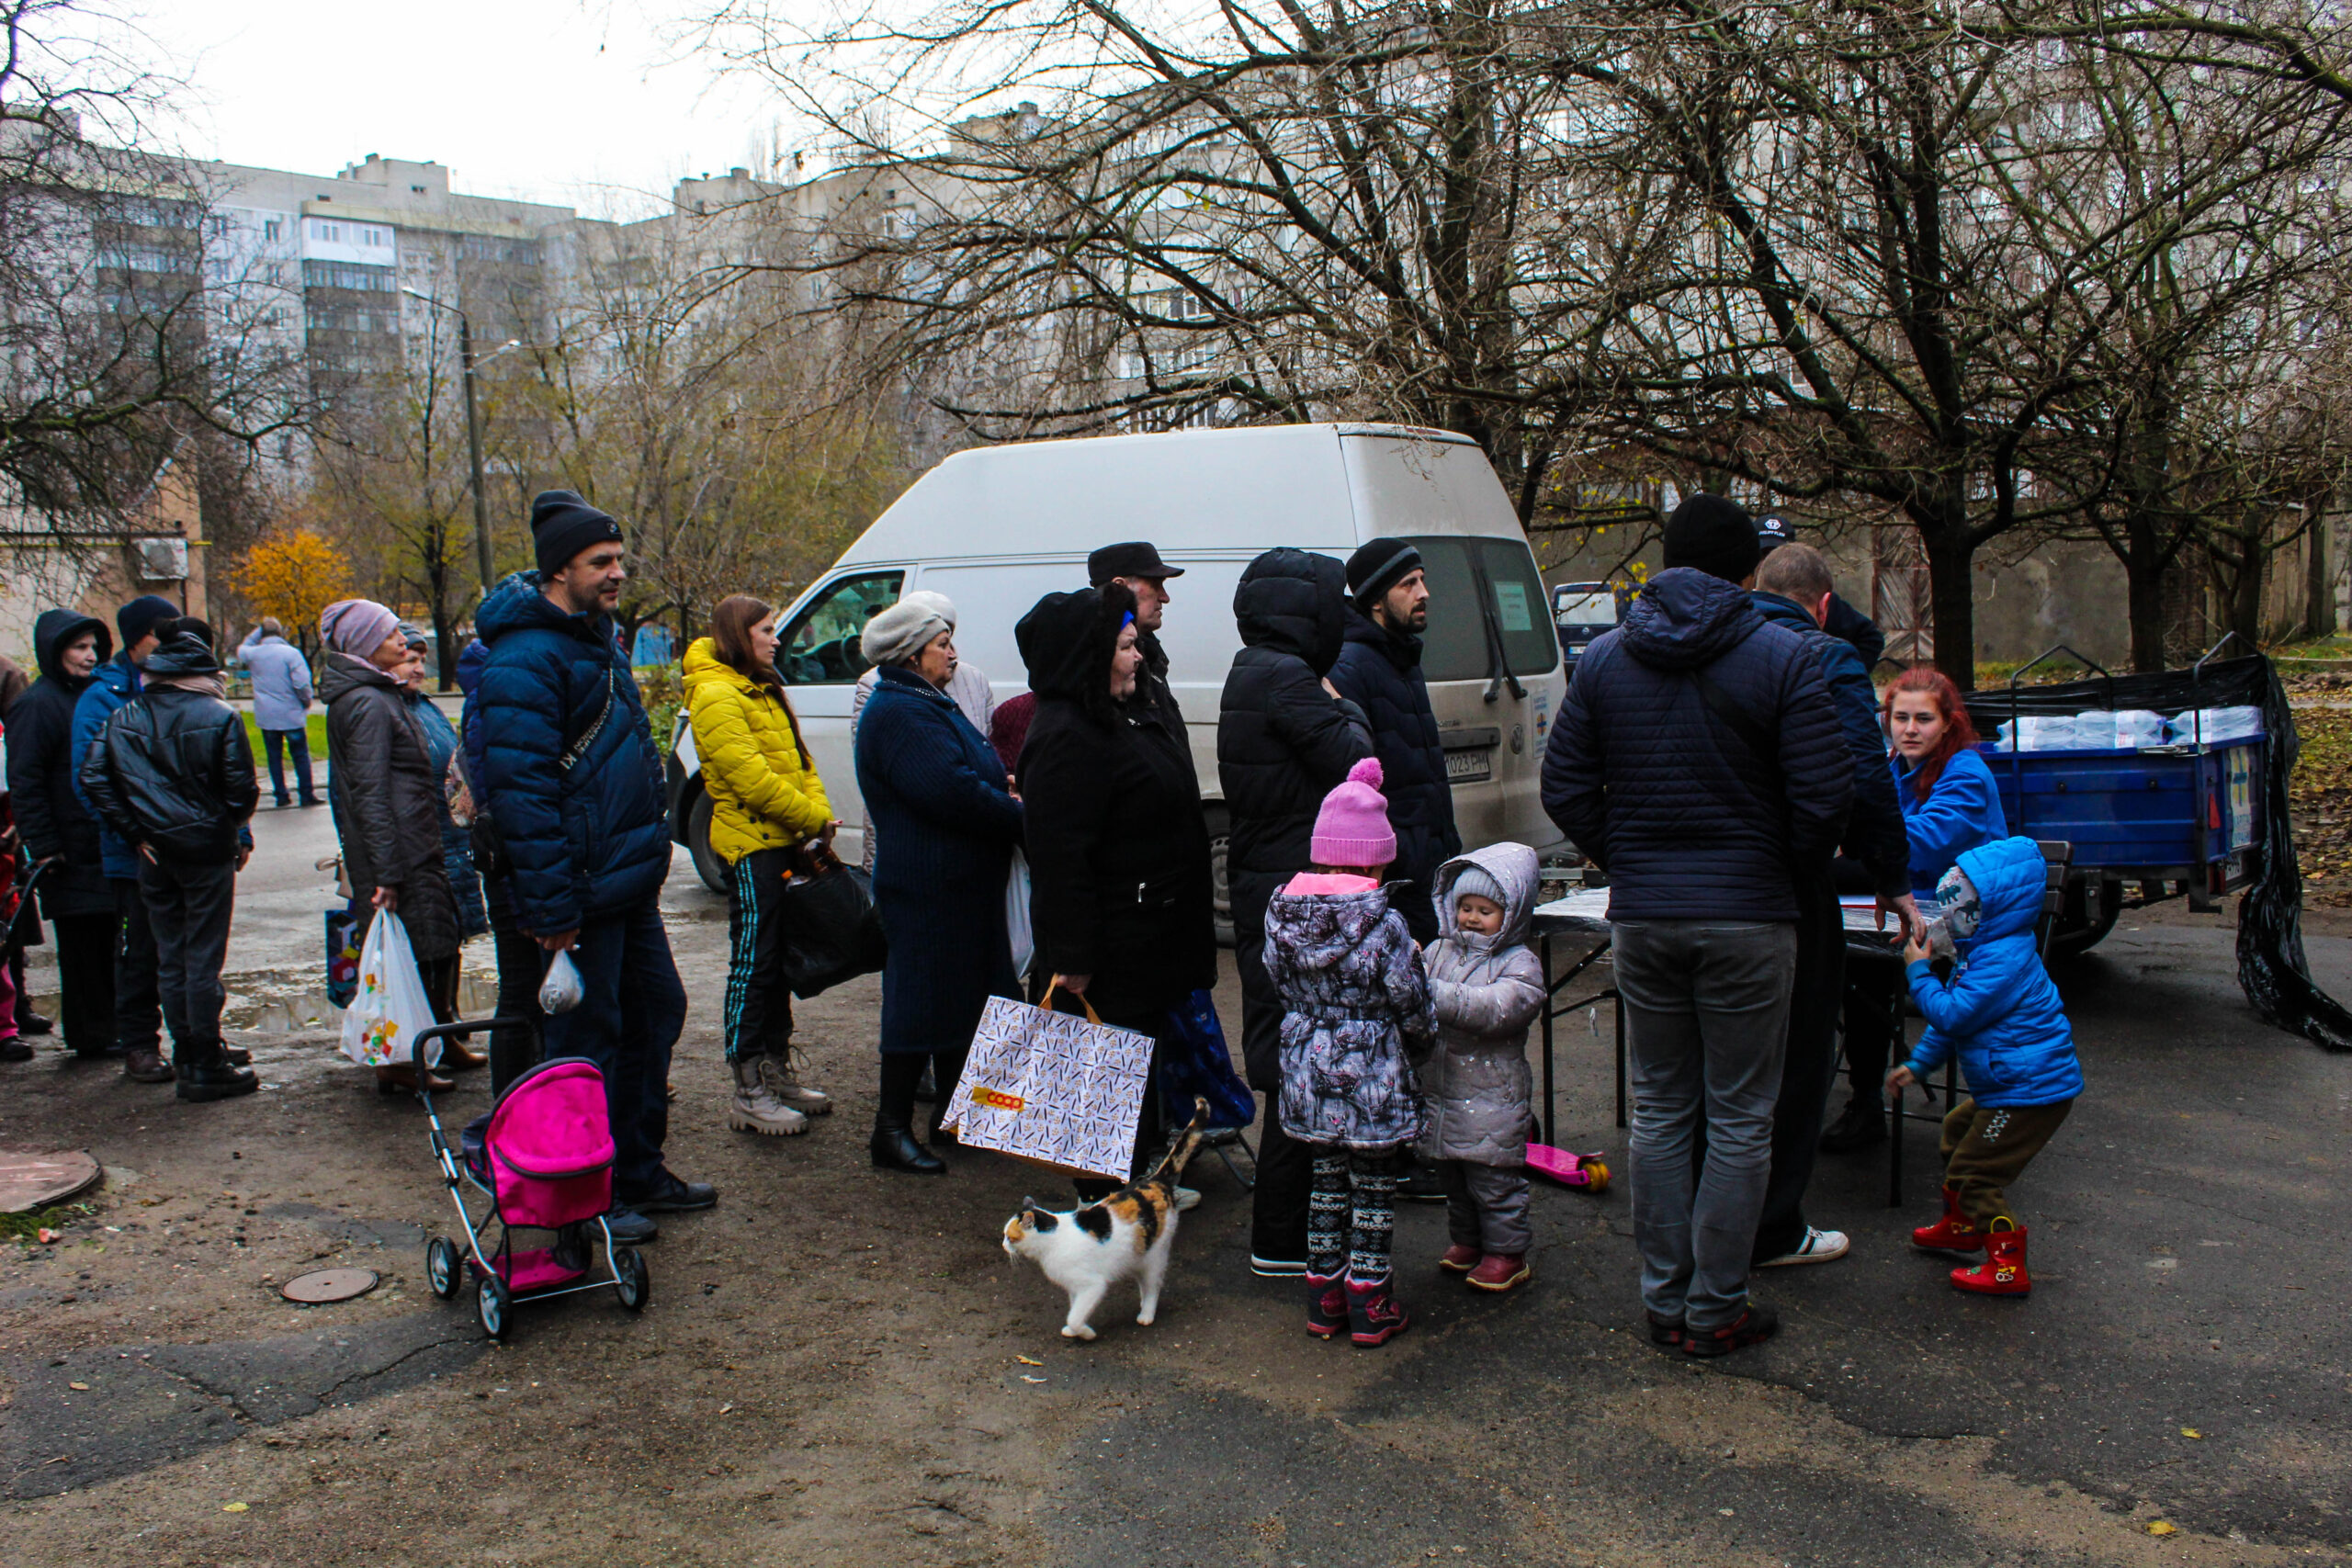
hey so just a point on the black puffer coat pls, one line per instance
(1380, 672)
(1281, 742)
(1118, 846)
(387, 800)
(1691, 823)
(172, 769)
(41, 773)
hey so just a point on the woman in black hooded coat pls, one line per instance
(1121, 899)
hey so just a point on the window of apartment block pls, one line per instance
(271, 228)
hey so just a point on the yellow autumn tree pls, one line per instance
(293, 574)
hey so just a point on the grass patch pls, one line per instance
(316, 724)
(27, 1227)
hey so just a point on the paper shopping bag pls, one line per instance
(381, 1027)
(1044, 1086)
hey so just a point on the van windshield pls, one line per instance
(1454, 647)
(820, 646)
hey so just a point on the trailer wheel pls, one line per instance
(2077, 933)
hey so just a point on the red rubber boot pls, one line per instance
(1373, 1316)
(1954, 1233)
(2003, 1271)
(1326, 1306)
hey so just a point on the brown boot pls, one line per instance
(146, 1065)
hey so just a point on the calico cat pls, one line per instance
(1087, 1250)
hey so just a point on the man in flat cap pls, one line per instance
(1136, 567)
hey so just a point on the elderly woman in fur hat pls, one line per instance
(945, 823)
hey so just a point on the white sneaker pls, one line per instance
(1819, 1247)
(1187, 1198)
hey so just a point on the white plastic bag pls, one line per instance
(2041, 732)
(1016, 915)
(2135, 728)
(560, 991)
(2214, 725)
(389, 1010)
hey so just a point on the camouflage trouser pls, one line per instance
(1986, 1148)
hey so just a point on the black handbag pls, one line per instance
(827, 928)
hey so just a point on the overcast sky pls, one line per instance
(571, 101)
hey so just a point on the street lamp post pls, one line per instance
(473, 430)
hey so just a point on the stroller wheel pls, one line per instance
(631, 1281)
(495, 1306)
(441, 1269)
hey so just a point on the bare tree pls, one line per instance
(112, 356)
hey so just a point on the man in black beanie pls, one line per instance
(573, 780)
(1380, 671)
(1698, 761)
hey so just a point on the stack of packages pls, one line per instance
(2127, 729)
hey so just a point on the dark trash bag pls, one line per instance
(828, 929)
(2272, 970)
(1196, 1064)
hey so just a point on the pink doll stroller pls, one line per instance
(543, 1155)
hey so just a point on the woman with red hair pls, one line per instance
(1949, 805)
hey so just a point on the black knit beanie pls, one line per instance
(139, 617)
(1377, 566)
(562, 525)
(1715, 535)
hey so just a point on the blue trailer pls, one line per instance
(2182, 819)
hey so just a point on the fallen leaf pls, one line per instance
(233, 1507)
(1029, 1361)
(725, 1409)
(1026, 1378)
(2158, 1527)
(81, 1386)
(45, 1234)
(2190, 1432)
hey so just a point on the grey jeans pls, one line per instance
(1706, 1027)
(1486, 1207)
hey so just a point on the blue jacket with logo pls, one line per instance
(112, 684)
(1999, 1009)
(568, 768)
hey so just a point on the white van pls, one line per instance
(996, 527)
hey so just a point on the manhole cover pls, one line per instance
(329, 1285)
(30, 1182)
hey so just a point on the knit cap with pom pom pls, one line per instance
(1351, 830)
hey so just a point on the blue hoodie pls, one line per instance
(1999, 1010)
(1961, 812)
(568, 765)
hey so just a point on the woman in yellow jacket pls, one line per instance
(766, 801)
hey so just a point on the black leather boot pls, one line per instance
(894, 1148)
(206, 1074)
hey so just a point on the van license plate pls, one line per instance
(1470, 766)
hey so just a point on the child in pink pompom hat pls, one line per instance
(1358, 1014)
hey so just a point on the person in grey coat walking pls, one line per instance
(1486, 986)
(281, 679)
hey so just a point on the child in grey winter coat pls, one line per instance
(1356, 1013)
(1486, 986)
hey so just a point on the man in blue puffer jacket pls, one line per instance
(2000, 1012)
(573, 779)
(138, 995)
(1698, 761)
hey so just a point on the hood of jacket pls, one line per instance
(345, 673)
(1684, 619)
(1783, 612)
(1321, 929)
(1402, 648)
(470, 665)
(185, 653)
(55, 630)
(2010, 877)
(516, 605)
(1066, 640)
(1515, 870)
(701, 667)
(1294, 602)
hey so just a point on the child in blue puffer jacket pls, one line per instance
(2002, 1014)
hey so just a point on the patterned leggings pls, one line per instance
(1350, 1213)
